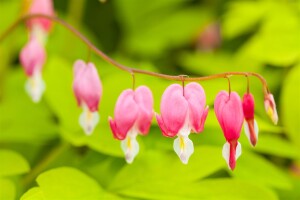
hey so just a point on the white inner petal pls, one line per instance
(226, 152)
(238, 151)
(256, 129)
(35, 86)
(183, 147)
(130, 146)
(247, 130)
(39, 33)
(88, 120)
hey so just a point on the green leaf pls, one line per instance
(255, 169)
(290, 107)
(134, 13)
(221, 189)
(242, 17)
(12, 163)
(65, 183)
(8, 190)
(35, 123)
(160, 165)
(34, 193)
(277, 42)
(146, 37)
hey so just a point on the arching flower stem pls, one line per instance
(130, 70)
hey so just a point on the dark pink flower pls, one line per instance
(250, 125)
(32, 58)
(270, 108)
(87, 88)
(181, 113)
(133, 115)
(229, 112)
(40, 7)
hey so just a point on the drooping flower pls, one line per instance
(32, 58)
(133, 115)
(181, 113)
(87, 88)
(270, 108)
(40, 7)
(229, 111)
(33, 55)
(250, 124)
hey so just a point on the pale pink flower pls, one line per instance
(229, 112)
(87, 88)
(182, 112)
(40, 7)
(250, 124)
(133, 115)
(32, 58)
(270, 108)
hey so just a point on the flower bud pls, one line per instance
(270, 108)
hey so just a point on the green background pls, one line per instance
(44, 154)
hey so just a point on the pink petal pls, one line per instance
(173, 109)
(87, 85)
(126, 114)
(195, 96)
(203, 118)
(144, 99)
(41, 7)
(229, 113)
(78, 66)
(251, 131)
(163, 128)
(248, 106)
(32, 56)
(116, 133)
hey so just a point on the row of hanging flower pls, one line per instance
(183, 108)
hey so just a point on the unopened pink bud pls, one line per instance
(270, 108)
(41, 7)
(32, 56)
(87, 85)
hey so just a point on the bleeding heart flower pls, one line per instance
(229, 112)
(270, 108)
(32, 58)
(133, 115)
(181, 113)
(87, 88)
(250, 124)
(40, 7)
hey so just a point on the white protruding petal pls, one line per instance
(238, 150)
(184, 148)
(35, 86)
(226, 153)
(256, 129)
(130, 148)
(88, 120)
(39, 33)
(247, 130)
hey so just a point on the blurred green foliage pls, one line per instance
(45, 155)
